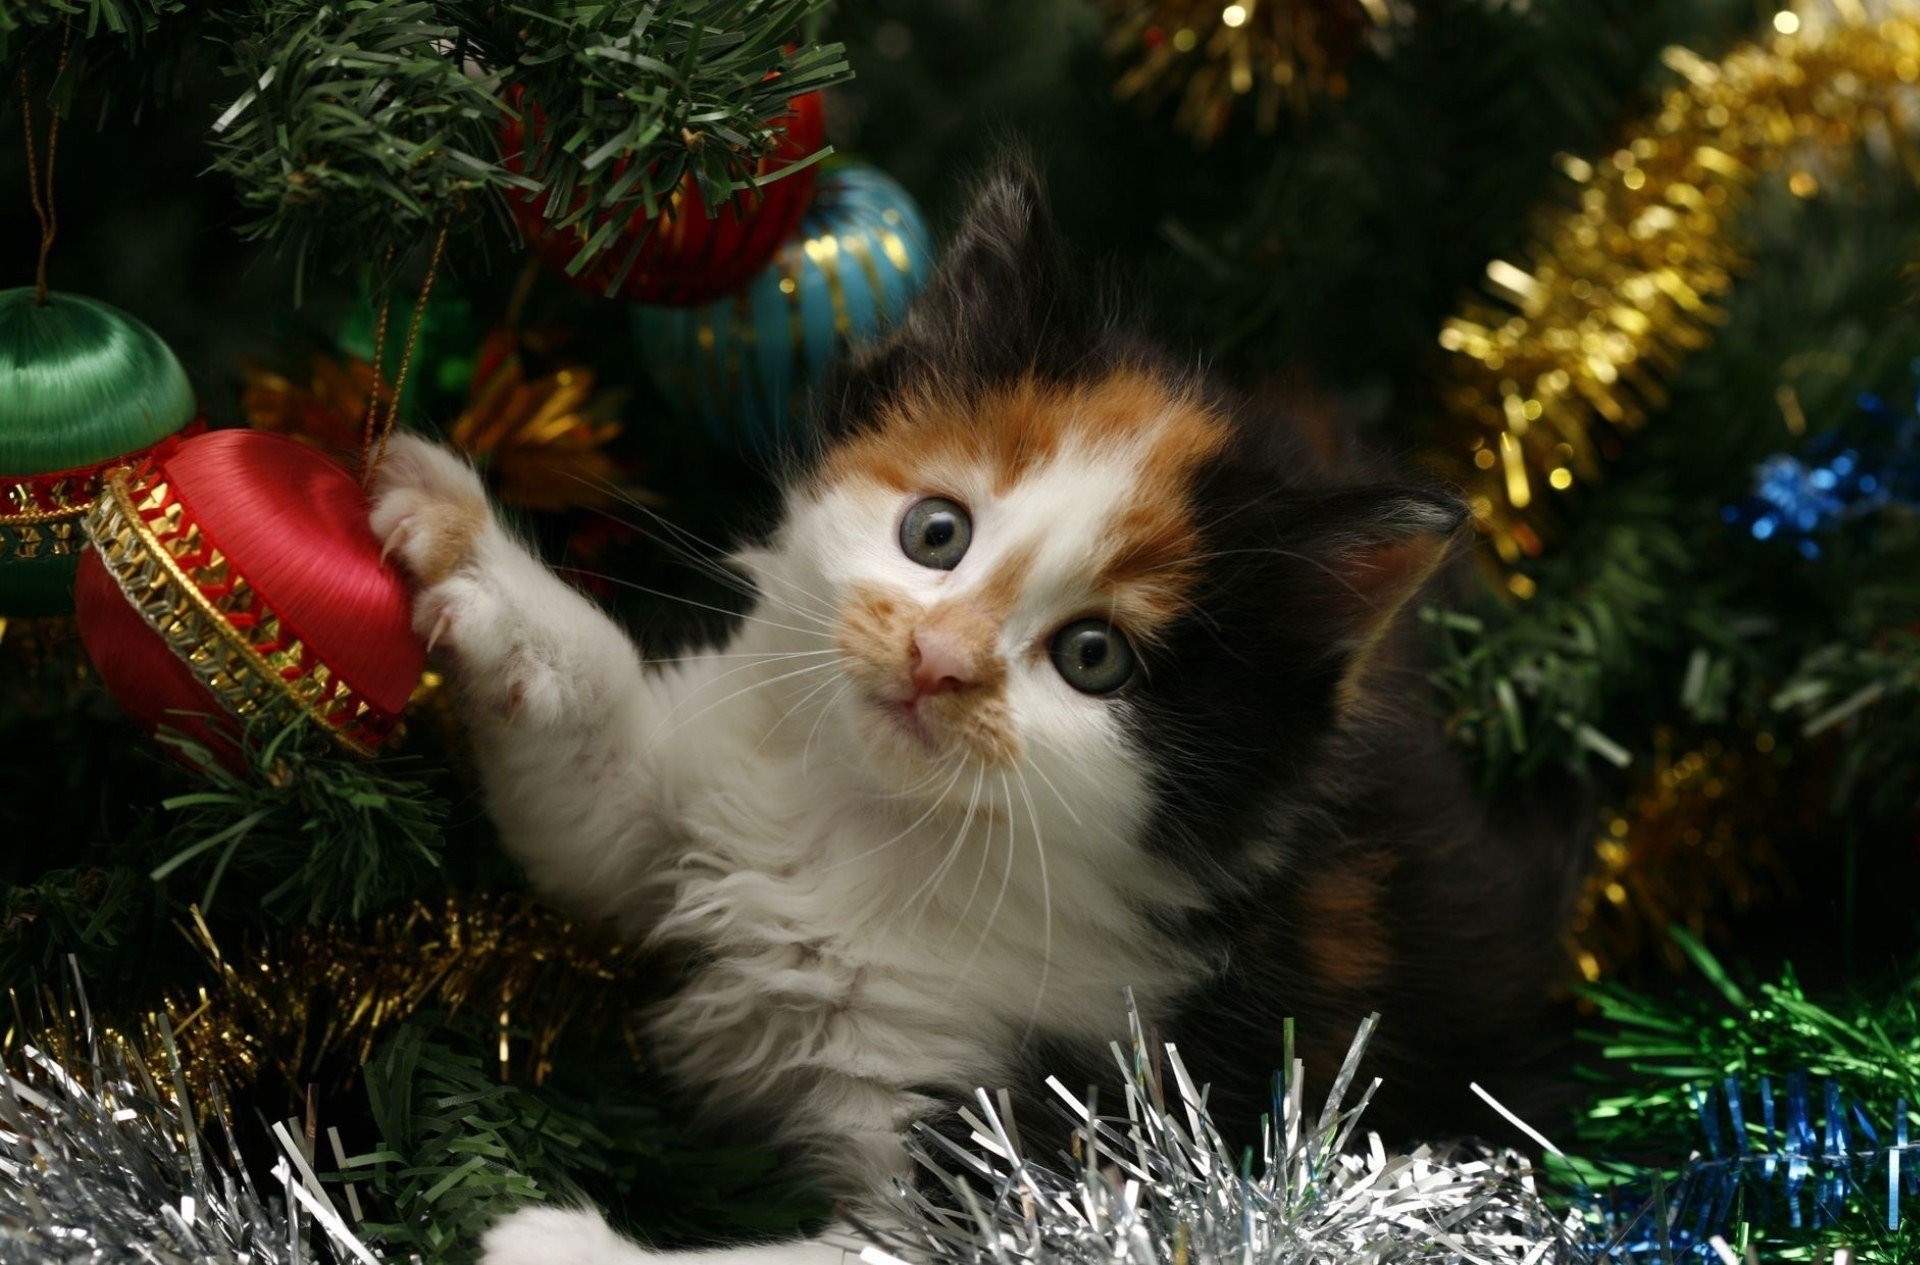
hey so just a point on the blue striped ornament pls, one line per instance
(739, 366)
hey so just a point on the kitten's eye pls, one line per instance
(1093, 655)
(936, 533)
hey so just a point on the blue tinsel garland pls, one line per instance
(1838, 477)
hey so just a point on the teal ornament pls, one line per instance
(740, 365)
(83, 388)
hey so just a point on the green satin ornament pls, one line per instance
(81, 383)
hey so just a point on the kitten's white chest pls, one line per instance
(838, 936)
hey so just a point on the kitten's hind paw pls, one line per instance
(557, 1236)
(428, 508)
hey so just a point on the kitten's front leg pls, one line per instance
(567, 1236)
(551, 690)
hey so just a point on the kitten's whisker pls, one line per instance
(698, 687)
(959, 838)
(1046, 908)
(762, 655)
(1042, 775)
(687, 601)
(931, 808)
(930, 885)
(1006, 878)
(788, 714)
(757, 685)
(712, 564)
(826, 709)
(986, 851)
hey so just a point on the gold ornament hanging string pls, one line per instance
(44, 208)
(378, 433)
(374, 400)
(1571, 354)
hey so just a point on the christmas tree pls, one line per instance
(1635, 275)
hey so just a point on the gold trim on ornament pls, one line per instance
(58, 501)
(260, 668)
(51, 536)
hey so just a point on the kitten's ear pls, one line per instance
(1002, 266)
(1380, 546)
(992, 308)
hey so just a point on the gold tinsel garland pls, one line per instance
(1615, 292)
(1693, 846)
(308, 1005)
(325, 996)
(1212, 55)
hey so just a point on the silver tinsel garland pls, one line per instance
(1159, 1186)
(100, 1165)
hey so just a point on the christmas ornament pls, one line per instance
(83, 387)
(1837, 478)
(1547, 377)
(683, 253)
(1214, 54)
(235, 574)
(101, 1160)
(736, 365)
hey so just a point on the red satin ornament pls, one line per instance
(235, 573)
(688, 257)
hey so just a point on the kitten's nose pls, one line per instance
(940, 663)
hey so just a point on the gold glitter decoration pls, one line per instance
(216, 622)
(308, 1005)
(1214, 55)
(40, 513)
(1547, 378)
(323, 407)
(1694, 845)
(541, 437)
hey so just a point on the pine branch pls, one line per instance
(123, 20)
(1869, 695)
(1619, 633)
(307, 834)
(459, 1149)
(366, 126)
(91, 913)
(110, 47)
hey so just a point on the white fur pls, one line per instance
(868, 918)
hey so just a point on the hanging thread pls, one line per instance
(367, 432)
(377, 445)
(42, 199)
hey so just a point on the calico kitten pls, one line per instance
(1068, 670)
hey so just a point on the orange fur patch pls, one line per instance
(928, 439)
(448, 529)
(1343, 926)
(876, 635)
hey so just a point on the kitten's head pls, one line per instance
(1041, 546)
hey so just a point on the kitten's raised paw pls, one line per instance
(428, 508)
(556, 1236)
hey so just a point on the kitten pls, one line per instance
(1068, 671)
